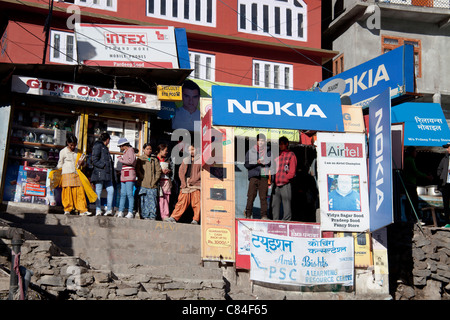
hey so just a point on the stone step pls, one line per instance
(106, 256)
(172, 271)
(150, 244)
(155, 232)
(101, 221)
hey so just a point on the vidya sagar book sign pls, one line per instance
(342, 179)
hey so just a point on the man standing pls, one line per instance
(257, 162)
(286, 169)
(187, 115)
(190, 175)
(444, 177)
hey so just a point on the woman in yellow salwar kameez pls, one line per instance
(73, 193)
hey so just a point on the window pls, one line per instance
(272, 75)
(110, 5)
(203, 65)
(338, 64)
(279, 18)
(201, 12)
(389, 43)
(63, 47)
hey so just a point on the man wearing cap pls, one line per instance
(444, 186)
(127, 177)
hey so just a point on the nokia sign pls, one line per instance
(380, 162)
(278, 109)
(394, 69)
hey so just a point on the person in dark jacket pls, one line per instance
(257, 162)
(103, 174)
(444, 185)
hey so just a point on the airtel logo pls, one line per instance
(275, 108)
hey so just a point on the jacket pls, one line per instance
(254, 169)
(286, 168)
(128, 160)
(195, 176)
(442, 170)
(103, 168)
(148, 171)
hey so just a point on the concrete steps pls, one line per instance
(127, 247)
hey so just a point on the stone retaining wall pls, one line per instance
(66, 277)
(419, 262)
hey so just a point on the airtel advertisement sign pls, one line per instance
(127, 46)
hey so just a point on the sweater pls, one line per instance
(195, 174)
(128, 160)
(67, 161)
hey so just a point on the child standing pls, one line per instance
(72, 195)
(148, 171)
(165, 182)
(127, 177)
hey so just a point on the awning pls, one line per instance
(425, 124)
(130, 79)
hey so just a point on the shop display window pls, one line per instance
(37, 136)
(116, 129)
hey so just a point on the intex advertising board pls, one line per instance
(126, 46)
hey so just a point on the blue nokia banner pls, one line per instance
(380, 162)
(425, 123)
(394, 69)
(277, 109)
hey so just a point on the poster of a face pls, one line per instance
(344, 192)
(342, 180)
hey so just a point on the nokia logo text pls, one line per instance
(366, 80)
(275, 108)
(126, 38)
(379, 180)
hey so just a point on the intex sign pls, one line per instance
(129, 39)
(278, 109)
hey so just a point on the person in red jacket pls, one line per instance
(286, 165)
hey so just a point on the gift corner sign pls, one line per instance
(83, 92)
(273, 108)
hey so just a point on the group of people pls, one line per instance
(150, 176)
(258, 163)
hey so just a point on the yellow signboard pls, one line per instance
(169, 93)
(353, 118)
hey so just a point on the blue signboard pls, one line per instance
(394, 69)
(425, 124)
(380, 162)
(277, 109)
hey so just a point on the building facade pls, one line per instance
(274, 44)
(363, 30)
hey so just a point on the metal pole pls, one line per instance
(15, 262)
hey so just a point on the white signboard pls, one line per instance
(342, 179)
(82, 92)
(126, 46)
(300, 261)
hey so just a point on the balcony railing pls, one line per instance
(421, 3)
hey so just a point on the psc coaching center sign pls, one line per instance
(301, 261)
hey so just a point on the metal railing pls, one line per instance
(421, 3)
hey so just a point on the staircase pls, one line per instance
(129, 247)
